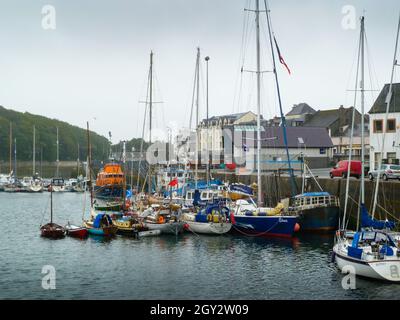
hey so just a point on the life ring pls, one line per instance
(161, 219)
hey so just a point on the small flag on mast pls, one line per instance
(281, 60)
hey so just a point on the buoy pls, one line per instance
(296, 227)
(186, 226)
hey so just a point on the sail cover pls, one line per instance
(368, 222)
(241, 188)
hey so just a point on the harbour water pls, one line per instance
(164, 267)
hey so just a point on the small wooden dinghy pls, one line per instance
(52, 230)
(76, 231)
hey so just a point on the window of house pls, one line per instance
(322, 151)
(378, 126)
(391, 156)
(391, 125)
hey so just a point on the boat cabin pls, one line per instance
(315, 199)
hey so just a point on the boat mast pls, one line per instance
(58, 155)
(150, 111)
(208, 127)
(77, 163)
(197, 112)
(15, 160)
(10, 147)
(258, 72)
(388, 100)
(51, 203)
(34, 152)
(351, 138)
(362, 114)
(283, 119)
(89, 164)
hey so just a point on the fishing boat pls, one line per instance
(213, 219)
(52, 230)
(76, 231)
(317, 211)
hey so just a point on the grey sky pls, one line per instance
(94, 65)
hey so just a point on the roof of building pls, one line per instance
(309, 137)
(379, 105)
(301, 108)
(322, 118)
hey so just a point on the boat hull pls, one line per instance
(265, 226)
(76, 232)
(387, 270)
(320, 219)
(108, 231)
(174, 228)
(208, 227)
(52, 231)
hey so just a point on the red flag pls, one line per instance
(173, 183)
(281, 60)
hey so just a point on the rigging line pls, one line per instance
(241, 53)
(370, 62)
(352, 133)
(193, 95)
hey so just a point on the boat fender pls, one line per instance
(333, 256)
(209, 217)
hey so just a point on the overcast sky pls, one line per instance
(94, 65)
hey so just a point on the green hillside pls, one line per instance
(46, 136)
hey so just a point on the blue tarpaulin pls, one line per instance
(99, 217)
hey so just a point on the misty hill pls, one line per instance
(46, 136)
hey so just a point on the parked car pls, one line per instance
(387, 171)
(341, 169)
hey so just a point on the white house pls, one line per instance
(391, 151)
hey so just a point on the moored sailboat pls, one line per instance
(51, 229)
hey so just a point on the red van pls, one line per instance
(340, 170)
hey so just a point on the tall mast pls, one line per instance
(77, 163)
(362, 113)
(90, 164)
(208, 127)
(197, 111)
(283, 119)
(51, 203)
(10, 147)
(346, 202)
(58, 155)
(388, 100)
(150, 111)
(258, 72)
(15, 159)
(34, 152)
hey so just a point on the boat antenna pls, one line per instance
(388, 100)
(283, 119)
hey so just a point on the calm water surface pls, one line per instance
(164, 267)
